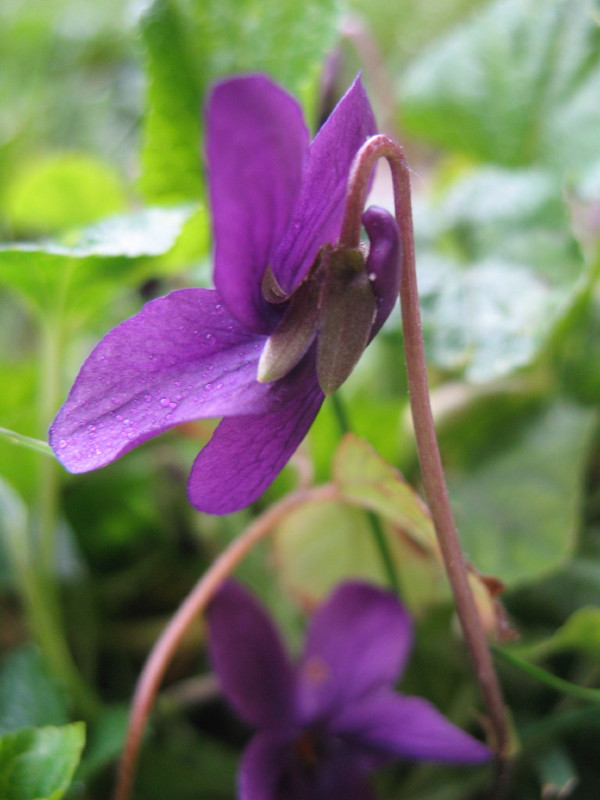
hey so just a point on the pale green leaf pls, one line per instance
(38, 763)
(54, 277)
(517, 512)
(517, 83)
(366, 480)
(322, 543)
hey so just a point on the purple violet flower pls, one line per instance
(324, 724)
(289, 318)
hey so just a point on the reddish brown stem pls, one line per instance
(429, 455)
(193, 605)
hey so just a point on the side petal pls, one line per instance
(249, 658)
(256, 142)
(317, 217)
(246, 453)
(383, 261)
(182, 357)
(357, 643)
(407, 727)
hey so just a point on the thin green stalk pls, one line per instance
(37, 563)
(543, 676)
(378, 533)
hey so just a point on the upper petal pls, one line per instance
(256, 142)
(357, 642)
(407, 727)
(249, 658)
(317, 216)
(383, 261)
(247, 453)
(182, 357)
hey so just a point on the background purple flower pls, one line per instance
(277, 202)
(326, 722)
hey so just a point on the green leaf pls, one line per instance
(580, 632)
(518, 83)
(28, 695)
(63, 191)
(499, 270)
(38, 763)
(76, 278)
(517, 512)
(322, 543)
(366, 480)
(190, 44)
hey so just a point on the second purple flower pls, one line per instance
(289, 317)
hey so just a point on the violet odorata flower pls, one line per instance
(288, 319)
(328, 721)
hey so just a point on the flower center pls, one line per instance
(334, 302)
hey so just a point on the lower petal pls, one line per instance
(407, 727)
(263, 767)
(182, 357)
(246, 453)
(273, 769)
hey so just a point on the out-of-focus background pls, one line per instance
(103, 207)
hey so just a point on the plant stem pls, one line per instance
(542, 675)
(193, 605)
(429, 456)
(37, 567)
(379, 535)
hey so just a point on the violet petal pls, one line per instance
(182, 357)
(256, 143)
(263, 766)
(383, 261)
(318, 213)
(407, 727)
(249, 658)
(246, 453)
(273, 769)
(357, 642)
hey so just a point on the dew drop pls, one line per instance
(147, 398)
(208, 387)
(164, 401)
(62, 444)
(172, 405)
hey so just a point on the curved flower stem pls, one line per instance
(196, 601)
(429, 455)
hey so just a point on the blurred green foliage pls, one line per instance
(103, 206)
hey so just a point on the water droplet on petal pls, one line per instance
(172, 404)
(164, 401)
(147, 398)
(208, 387)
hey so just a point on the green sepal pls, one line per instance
(348, 309)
